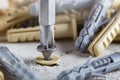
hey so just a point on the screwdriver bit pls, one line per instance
(47, 21)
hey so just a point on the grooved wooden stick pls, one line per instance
(105, 37)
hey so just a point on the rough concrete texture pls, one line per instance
(69, 59)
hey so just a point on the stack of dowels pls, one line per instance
(66, 26)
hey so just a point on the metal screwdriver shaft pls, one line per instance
(47, 21)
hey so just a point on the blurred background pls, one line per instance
(14, 3)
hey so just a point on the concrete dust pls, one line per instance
(28, 52)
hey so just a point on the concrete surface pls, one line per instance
(69, 58)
